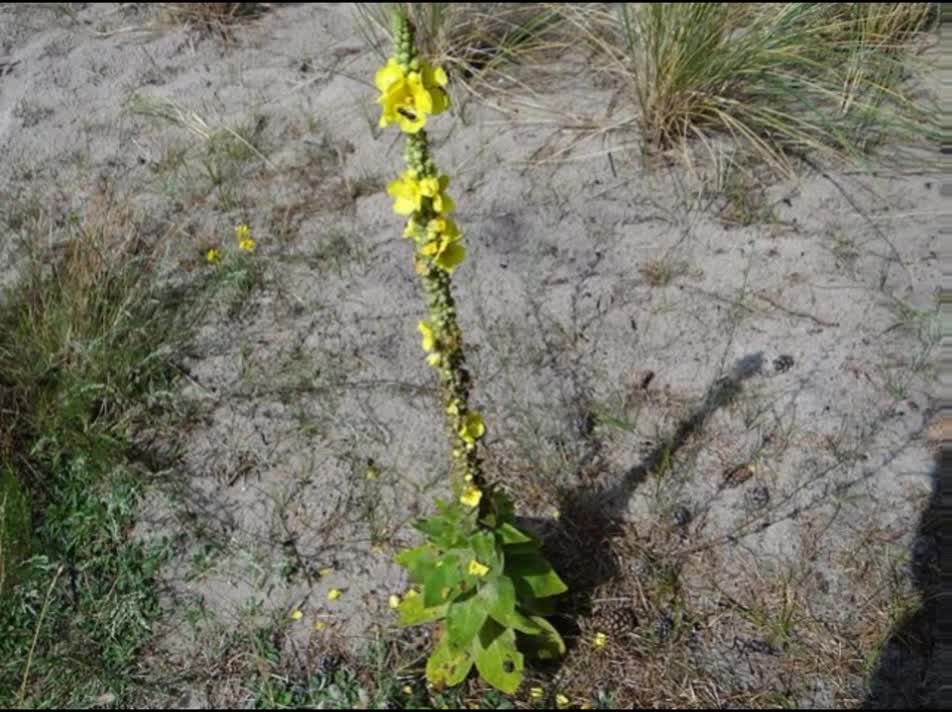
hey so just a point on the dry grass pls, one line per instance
(475, 42)
(779, 79)
(212, 16)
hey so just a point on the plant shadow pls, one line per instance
(591, 517)
(914, 668)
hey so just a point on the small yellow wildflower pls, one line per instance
(407, 689)
(536, 693)
(213, 255)
(334, 594)
(471, 496)
(477, 569)
(472, 428)
(444, 244)
(297, 614)
(409, 190)
(394, 601)
(600, 640)
(246, 242)
(326, 571)
(407, 97)
(320, 625)
(561, 701)
(429, 339)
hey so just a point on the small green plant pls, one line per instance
(477, 573)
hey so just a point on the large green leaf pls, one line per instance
(511, 535)
(418, 561)
(448, 665)
(547, 644)
(497, 659)
(500, 596)
(413, 612)
(465, 617)
(442, 582)
(484, 546)
(533, 576)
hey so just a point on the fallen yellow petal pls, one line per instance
(334, 594)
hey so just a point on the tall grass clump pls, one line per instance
(473, 42)
(782, 79)
(484, 579)
(86, 338)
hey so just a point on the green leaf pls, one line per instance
(413, 612)
(442, 530)
(484, 546)
(448, 665)
(442, 582)
(497, 659)
(465, 617)
(500, 512)
(418, 561)
(546, 645)
(500, 596)
(510, 535)
(533, 576)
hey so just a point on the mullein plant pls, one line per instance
(480, 576)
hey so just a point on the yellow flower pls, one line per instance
(477, 569)
(213, 255)
(409, 190)
(394, 600)
(334, 594)
(319, 625)
(444, 244)
(407, 689)
(472, 428)
(407, 97)
(245, 241)
(561, 700)
(326, 571)
(297, 614)
(406, 193)
(600, 640)
(537, 693)
(471, 496)
(435, 189)
(429, 338)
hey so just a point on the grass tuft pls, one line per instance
(833, 79)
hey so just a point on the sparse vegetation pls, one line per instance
(706, 392)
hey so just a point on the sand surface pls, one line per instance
(792, 359)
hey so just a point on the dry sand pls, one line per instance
(801, 346)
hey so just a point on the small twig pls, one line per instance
(794, 312)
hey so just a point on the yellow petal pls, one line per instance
(394, 600)
(471, 496)
(472, 428)
(429, 340)
(297, 614)
(451, 257)
(477, 569)
(334, 594)
(389, 74)
(422, 99)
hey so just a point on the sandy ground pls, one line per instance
(760, 393)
